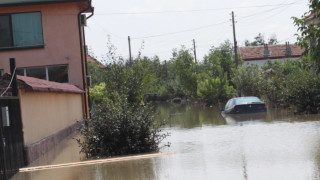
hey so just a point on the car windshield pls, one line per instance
(248, 100)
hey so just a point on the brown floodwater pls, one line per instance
(273, 146)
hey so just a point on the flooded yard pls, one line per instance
(272, 146)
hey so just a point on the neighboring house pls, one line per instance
(261, 54)
(312, 19)
(46, 38)
(95, 61)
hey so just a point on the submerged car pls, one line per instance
(242, 105)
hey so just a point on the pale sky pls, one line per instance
(167, 24)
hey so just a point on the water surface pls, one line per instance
(272, 146)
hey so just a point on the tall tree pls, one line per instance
(185, 71)
(259, 40)
(309, 28)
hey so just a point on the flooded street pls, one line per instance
(272, 146)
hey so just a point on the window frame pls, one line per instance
(12, 47)
(47, 72)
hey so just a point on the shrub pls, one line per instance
(119, 129)
(303, 90)
(214, 90)
(246, 80)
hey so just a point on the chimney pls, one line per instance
(288, 51)
(266, 51)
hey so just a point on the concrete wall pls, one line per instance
(61, 40)
(44, 113)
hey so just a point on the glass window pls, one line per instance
(248, 100)
(37, 72)
(20, 72)
(21, 30)
(5, 31)
(58, 74)
(51, 73)
(27, 29)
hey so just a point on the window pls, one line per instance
(21, 30)
(51, 73)
(58, 73)
(1, 72)
(38, 72)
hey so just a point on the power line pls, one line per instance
(208, 26)
(178, 32)
(194, 10)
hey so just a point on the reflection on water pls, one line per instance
(272, 146)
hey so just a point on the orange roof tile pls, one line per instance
(276, 52)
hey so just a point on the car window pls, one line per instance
(246, 100)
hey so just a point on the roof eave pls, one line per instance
(37, 3)
(270, 58)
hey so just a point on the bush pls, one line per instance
(246, 80)
(273, 79)
(303, 90)
(119, 129)
(214, 90)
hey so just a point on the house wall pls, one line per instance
(61, 40)
(260, 63)
(44, 113)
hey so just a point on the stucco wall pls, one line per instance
(260, 63)
(61, 40)
(45, 113)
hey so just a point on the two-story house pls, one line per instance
(46, 38)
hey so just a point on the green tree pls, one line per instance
(214, 89)
(259, 40)
(303, 91)
(246, 80)
(309, 28)
(273, 79)
(220, 58)
(185, 71)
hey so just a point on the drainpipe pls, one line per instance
(83, 58)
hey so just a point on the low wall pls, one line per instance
(47, 119)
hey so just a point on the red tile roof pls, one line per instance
(35, 84)
(94, 60)
(276, 52)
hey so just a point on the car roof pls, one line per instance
(242, 100)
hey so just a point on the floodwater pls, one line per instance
(272, 146)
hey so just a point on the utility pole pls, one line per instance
(235, 41)
(195, 55)
(130, 59)
(166, 69)
(195, 51)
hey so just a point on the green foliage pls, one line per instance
(259, 40)
(273, 79)
(303, 90)
(185, 71)
(246, 80)
(214, 89)
(119, 128)
(218, 59)
(310, 32)
(96, 73)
